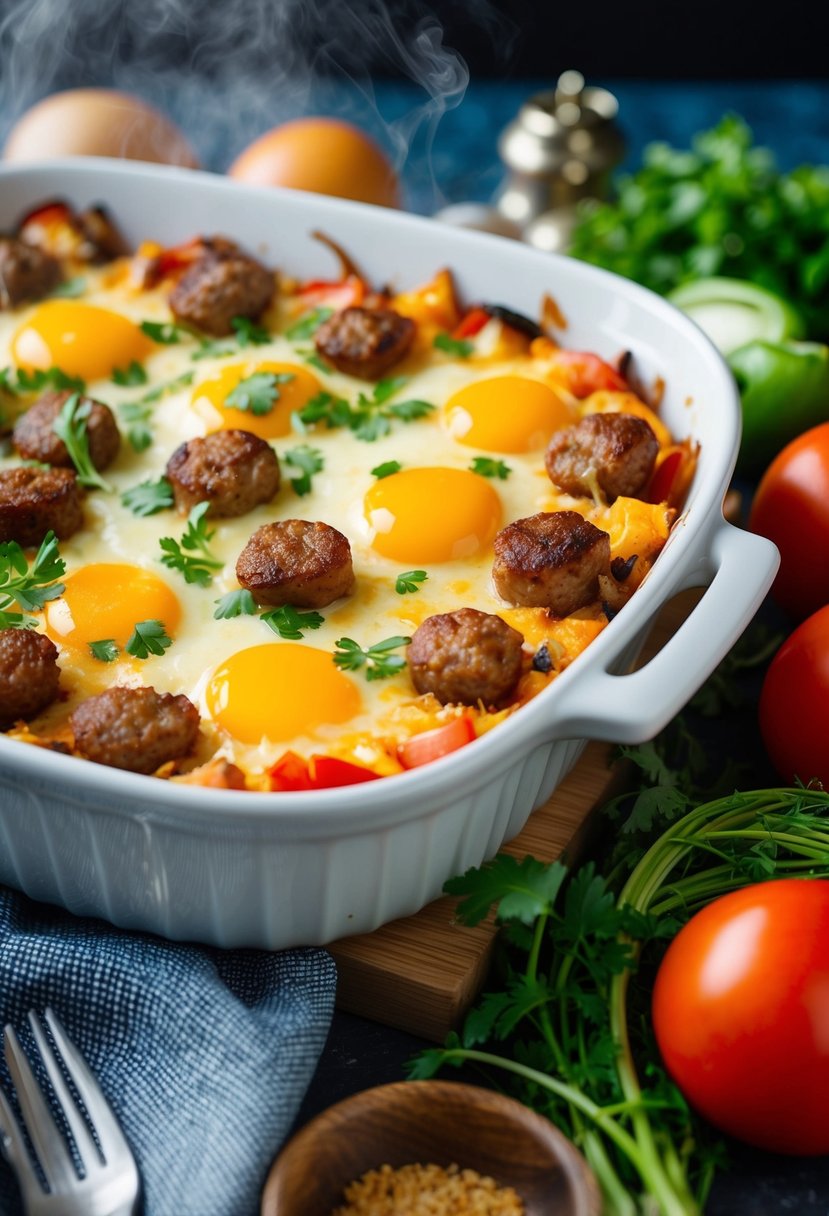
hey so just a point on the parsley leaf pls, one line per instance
(148, 637)
(370, 418)
(70, 289)
(233, 604)
(164, 333)
(105, 651)
(516, 889)
(149, 497)
(134, 374)
(310, 461)
(192, 556)
(259, 392)
(410, 581)
(248, 333)
(289, 623)
(386, 469)
(308, 324)
(138, 413)
(378, 660)
(164, 390)
(484, 466)
(25, 587)
(71, 426)
(22, 381)
(453, 346)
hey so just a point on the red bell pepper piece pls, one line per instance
(663, 480)
(290, 772)
(344, 293)
(471, 323)
(587, 373)
(327, 772)
(432, 744)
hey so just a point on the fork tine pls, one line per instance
(110, 1136)
(16, 1151)
(86, 1146)
(51, 1149)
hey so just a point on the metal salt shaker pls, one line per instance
(561, 147)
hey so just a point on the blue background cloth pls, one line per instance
(204, 1054)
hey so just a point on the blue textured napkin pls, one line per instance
(204, 1054)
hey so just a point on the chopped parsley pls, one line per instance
(289, 623)
(308, 324)
(191, 556)
(134, 374)
(164, 333)
(71, 426)
(137, 414)
(21, 381)
(28, 587)
(148, 637)
(410, 581)
(378, 660)
(105, 651)
(234, 603)
(309, 461)
(484, 466)
(386, 469)
(149, 497)
(453, 346)
(70, 289)
(258, 393)
(372, 415)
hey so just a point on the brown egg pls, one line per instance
(323, 155)
(97, 122)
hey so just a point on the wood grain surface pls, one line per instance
(421, 973)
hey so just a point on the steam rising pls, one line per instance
(227, 70)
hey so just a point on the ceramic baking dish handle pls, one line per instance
(633, 707)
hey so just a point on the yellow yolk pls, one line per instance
(278, 691)
(432, 514)
(505, 414)
(209, 399)
(107, 601)
(80, 339)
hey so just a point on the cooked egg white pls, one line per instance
(260, 694)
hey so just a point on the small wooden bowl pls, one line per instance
(437, 1123)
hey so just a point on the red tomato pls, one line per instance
(741, 1014)
(432, 744)
(794, 703)
(791, 508)
(587, 373)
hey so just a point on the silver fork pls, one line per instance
(110, 1182)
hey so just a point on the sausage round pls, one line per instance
(364, 342)
(29, 675)
(296, 562)
(465, 657)
(222, 284)
(36, 501)
(551, 560)
(137, 729)
(34, 437)
(615, 451)
(26, 273)
(234, 471)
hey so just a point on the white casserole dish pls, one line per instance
(277, 870)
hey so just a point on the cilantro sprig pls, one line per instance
(370, 417)
(289, 623)
(485, 466)
(148, 637)
(191, 556)
(410, 581)
(258, 393)
(28, 587)
(105, 651)
(309, 461)
(233, 604)
(378, 660)
(71, 426)
(149, 497)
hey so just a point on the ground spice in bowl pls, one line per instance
(428, 1190)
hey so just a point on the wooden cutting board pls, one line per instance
(421, 973)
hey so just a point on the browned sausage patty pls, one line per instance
(26, 273)
(34, 436)
(234, 471)
(466, 656)
(222, 284)
(618, 450)
(365, 342)
(296, 562)
(552, 560)
(135, 728)
(29, 674)
(36, 501)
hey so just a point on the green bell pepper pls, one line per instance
(734, 313)
(784, 387)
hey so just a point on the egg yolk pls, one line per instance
(278, 691)
(432, 514)
(292, 389)
(80, 339)
(505, 414)
(106, 601)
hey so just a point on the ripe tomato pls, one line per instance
(791, 508)
(741, 1014)
(794, 703)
